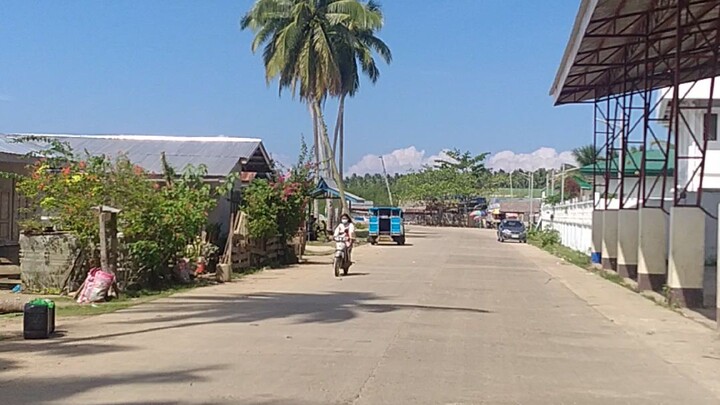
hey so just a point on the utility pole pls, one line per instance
(547, 183)
(387, 182)
(530, 189)
(552, 182)
(511, 185)
(562, 183)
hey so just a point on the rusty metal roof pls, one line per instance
(615, 45)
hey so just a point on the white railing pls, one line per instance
(573, 220)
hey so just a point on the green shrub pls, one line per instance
(545, 237)
(157, 220)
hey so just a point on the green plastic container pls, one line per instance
(36, 320)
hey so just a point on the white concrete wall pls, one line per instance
(710, 201)
(573, 220)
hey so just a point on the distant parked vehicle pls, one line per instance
(512, 230)
(386, 223)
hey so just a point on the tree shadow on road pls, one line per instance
(56, 346)
(61, 388)
(191, 311)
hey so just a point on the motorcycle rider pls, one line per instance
(347, 229)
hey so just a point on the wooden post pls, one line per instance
(104, 260)
(108, 238)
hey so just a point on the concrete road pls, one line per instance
(452, 318)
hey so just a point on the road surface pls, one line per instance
(454, 317)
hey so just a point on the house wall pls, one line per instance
(695, 95)
(10, 201)
(688, 147)
(221, 214)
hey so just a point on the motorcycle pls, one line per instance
(340, 261)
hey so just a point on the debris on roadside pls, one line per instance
(8, 306)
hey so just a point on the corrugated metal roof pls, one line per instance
(654, 164)
(616, 44)
(329, 187)
(13, 147)
(219, 154)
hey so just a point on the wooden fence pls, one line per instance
(439, 218)
(243, 252)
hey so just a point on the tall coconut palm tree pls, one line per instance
(356, 48)
(585, 155)
(300, 39)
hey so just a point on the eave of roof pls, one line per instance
(609, 35)
(329, 188)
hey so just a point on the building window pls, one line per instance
(711, 124)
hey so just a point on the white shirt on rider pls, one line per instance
(346, 229)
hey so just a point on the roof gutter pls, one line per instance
(582, 20)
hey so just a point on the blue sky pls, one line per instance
(467, 74)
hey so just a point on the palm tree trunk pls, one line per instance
(336, 133)
(325, 139)
(316, 147)
(325, 156)
(340, 135)
(341, 158)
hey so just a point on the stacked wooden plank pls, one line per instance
(243, 252)
(9, 274)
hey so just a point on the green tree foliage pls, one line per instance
(355, 55)
(307, 43)
(371, 187)
(585, 155)
(158, 221)
(459, 177)
(278, 208)
(260, 202)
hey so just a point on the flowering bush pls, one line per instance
(279, 207)
(157, 220)
(275, 208)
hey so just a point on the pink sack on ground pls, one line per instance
(96, 287)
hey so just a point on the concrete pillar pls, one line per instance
(610, 239)
(627, 257)
(717, 280)
(652, 249)
(597, 236)
(686, 264)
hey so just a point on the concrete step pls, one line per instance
(9, 270)
(9, 282)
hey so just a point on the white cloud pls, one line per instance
(543, 158)
(410, 158)
(397, 161)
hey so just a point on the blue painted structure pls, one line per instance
(327, 188)
(386, 222)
